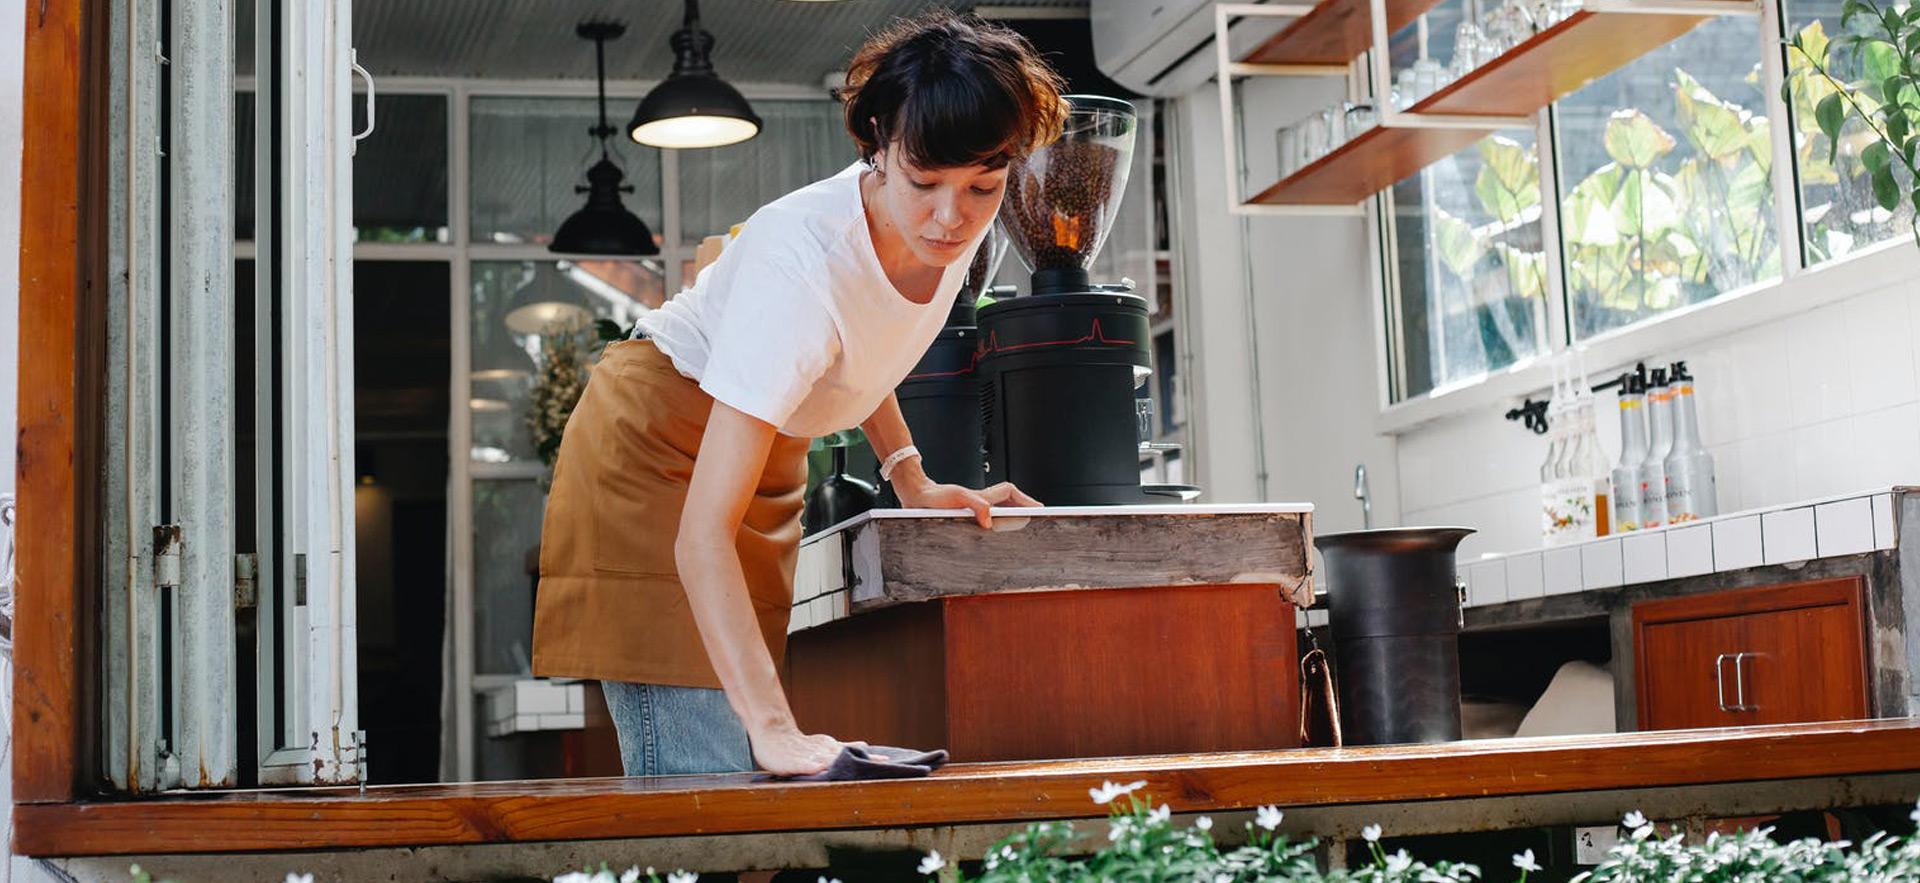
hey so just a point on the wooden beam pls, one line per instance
(581, 809)
(61, 256)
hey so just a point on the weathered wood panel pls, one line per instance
(611, 808)
(901, 560)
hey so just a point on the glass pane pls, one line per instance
(1836, 195)
(799, 143)
(1666, 195)
(506, 362)
(528, 154)
(506, 544)
(400, 171)
(243, 193)
(1471, 264)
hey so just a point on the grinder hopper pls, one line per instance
(1061, 199)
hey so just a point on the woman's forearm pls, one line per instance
(887, 432)
(717, 595)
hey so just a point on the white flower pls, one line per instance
(827, 880)
(1371, 832)
(1267, 817)
(604, 876)
(932, 863)
(1524, 861)
(299, 878)
(1205, 823)
(1399, 862)
(632, 875)
(1108, 791)
(1159, 816)
(1915, 815)
(575, 877)
(1634, 820)
(682, 877)
(1223, 878)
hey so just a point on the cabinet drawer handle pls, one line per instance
(1719, 680)
(1740, 683)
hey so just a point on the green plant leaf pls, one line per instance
(608, 330)
(1509, 180)
(1886, 190)
(1813, 41)
(1714, 127)
(1830, 114)
(1458, 247)
(1634, 140)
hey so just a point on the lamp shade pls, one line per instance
(693, 107)
(548, 302)
(497, 358)
(604, 226)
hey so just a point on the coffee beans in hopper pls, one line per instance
(1056, 203)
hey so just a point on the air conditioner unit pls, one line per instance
(1164, 48)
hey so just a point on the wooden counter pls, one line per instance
(1061, 633)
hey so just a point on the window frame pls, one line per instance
(1799, 288)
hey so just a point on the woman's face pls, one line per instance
(938, 211)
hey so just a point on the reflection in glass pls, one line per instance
(800, 142)
(505, 358)
(1667, 198)
(400, 171)
(526, 157)
(1471, 264)
(1836, 195)
(506, 540)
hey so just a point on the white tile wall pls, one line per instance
(1563, 570)
(1813, 405)
(1487, 583)
(1600, 565)
(1526, 576)
(1883, 523)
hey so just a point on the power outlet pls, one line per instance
(1590, 845)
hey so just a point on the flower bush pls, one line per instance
(1143, 844)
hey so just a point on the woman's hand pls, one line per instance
(926, 494)
(785, 751)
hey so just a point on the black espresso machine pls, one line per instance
(1045, 396)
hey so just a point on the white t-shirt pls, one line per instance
(796, 323)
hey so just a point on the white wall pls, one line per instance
(1309, 330)
(1821, 402)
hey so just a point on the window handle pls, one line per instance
(353, 59)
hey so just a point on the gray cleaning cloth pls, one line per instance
(878, 762)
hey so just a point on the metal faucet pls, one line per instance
(1365, 497)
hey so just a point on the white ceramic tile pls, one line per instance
(1736, 544)
(799, 619)
(1645, 557)
(1487, 583)
(577, 698)
(1689, 550)
(1844, 527)
(1562, 570)
(1819, 353)
(538, 697)
(499, 704)
(1714, 403)
(1758, 382)
(525, 723)
(1825, 460)
(1788, 535)
(821, 611)
(1299, 618)
(1526, 576)
(1600, 564)
(1316, 618)
(1884, 535)
(1888, 446)
(1879, 354)
(837, 603)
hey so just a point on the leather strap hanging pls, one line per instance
(1319, 702)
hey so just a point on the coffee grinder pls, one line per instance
(1059, 369)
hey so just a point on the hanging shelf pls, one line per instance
(1507, 91)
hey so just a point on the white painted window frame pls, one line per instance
(1801, 287)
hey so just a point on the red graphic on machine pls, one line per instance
(992, 345)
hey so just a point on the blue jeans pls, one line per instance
(670, 731)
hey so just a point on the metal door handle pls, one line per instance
(1719, 680)
(353, 59)
(1740, 683)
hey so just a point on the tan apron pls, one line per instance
(610, 605)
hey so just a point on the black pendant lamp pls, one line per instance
(693, 107)
(604, 226)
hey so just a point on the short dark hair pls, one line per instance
(952, 91)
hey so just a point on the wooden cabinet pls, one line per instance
(1776, 654)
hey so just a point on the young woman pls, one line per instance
(673, 524)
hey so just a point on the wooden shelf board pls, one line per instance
(1559, 60)
(1335, 32)
(1367, 164)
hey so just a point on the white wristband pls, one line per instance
(893, 459)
